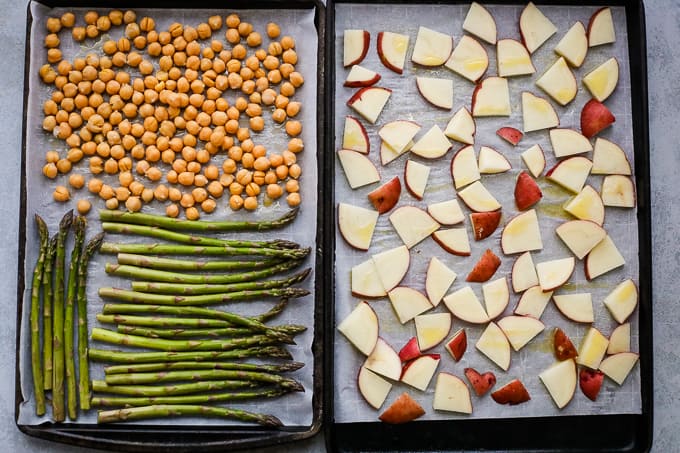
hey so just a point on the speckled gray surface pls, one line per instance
(663, 30)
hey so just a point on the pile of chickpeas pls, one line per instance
(150, 108)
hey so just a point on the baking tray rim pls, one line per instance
(180, 438)
(634, 429)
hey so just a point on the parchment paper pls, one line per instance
(293, 409)
(406, 103)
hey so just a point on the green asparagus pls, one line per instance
(189, 289)
(36, 359)
(58, 406)
(171, 264)
(183, 249)
(112, 309)
(206, 299)
(48, 294)
(202, 375)
(287, 330)
(83, 364)
(112, 337)
(103, 355)
(188, 399)
(172, 366)
(171, 389)
(124, 270)
(197, 225)
(168, 410)
(79, 226)
(159, 233)
(149, 321)
(184, 333)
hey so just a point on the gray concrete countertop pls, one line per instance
(663, 31)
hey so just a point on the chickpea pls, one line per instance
(147, 195)
(111, 166)
(273, 30)
(289, 56)
(293, 199)
(207, 206)
(50, 170)
(293, 108)
(295, 145)
(229, 165)
(83, 207)
(61, 194)
(186, 178)
(274, 191)
(256, 97)
(133, 204)
(274, 49)
(103, 23)
(160, 193)
(226, 180)
(78, 34)
(215, 189)
(271, 63)
(122, 193)
(242, 134)
(287, 89)
(254, 39)
(53, 24)
(94, 185)
(279, 115)
(292, 186)
(187, 200)
(174, 194)
(204, 31)
(256, 123)
(147, 24)
(51, 41)
(235, 202)
(76, 181)
(67, 20)
(281, 172)
(245, 28)
(235, 188)
(232, 36)
(136, 188)
(250, 203)
(53, 55)
(253, 189)
(233, 20)
(111, 203)
(268, 96)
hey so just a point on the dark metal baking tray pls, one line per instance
(183, 438)
(615, 433)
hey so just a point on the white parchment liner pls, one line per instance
(294, 409)
(406, 103)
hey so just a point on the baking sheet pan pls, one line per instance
(610, 432)
(183, 435)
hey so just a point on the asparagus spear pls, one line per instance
(36, 359)
(103, 355)
(79, 226)
(183, 249)
(159, 233)
(233, 318)
(48, 294)
(171, 389)
(83, 364)
(202, 375)
(287, 330)
(58, 320)
(124, 270)
(112, 337)
(196, 225)
(187, 399)
(172, 366)
(170, 264)
(161, 322)
(175, 410)
(184, 333)
(166, 299)
(189, 289)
